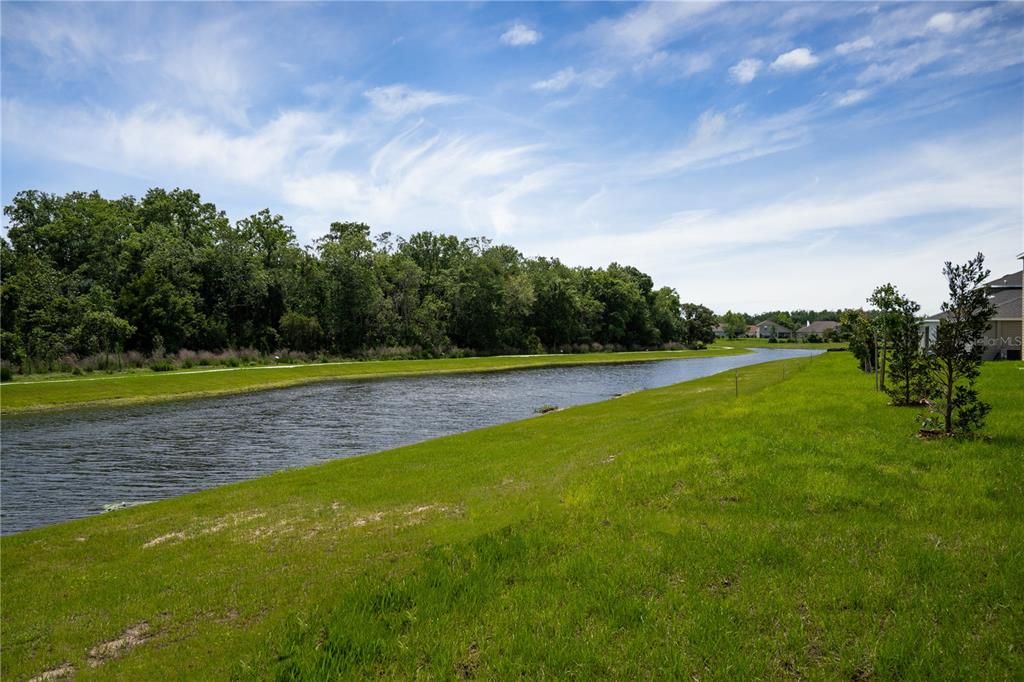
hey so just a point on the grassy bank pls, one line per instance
(766, 343)
(800, 530)
(143, 387)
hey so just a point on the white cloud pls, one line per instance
(648, 28)
(724, 138)
(563, 79)
(909, 209)
(795, 60)
(746, 70)
(211, 68)
(851, 97)
(903, 62)
(672, 65)
(520, 35)
(955, 22)
(558, 81)
(396, 101)
(865, 43)
(155, 144)
(418, 174)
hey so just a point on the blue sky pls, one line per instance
(751, 155)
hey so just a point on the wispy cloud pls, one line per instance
(150, 143)
(520, 35)
(955, 22)
(863, 43)
(851, 97)
(746, 70)
(648, 28)
(401, 100)
(414, 174)
(569, 76)
(725, 137)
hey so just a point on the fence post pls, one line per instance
(736, 373)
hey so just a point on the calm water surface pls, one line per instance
(67, 465)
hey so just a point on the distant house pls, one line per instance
(719, 331)
(770, 329)
(751, 331)
(818, 328)
(1003, 338)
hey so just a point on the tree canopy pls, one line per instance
(83, 274)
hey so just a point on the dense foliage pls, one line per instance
(85, 275)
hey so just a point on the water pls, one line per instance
(68, 465)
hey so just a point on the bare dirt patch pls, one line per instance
(212, 526)
(59, 673)
(129, 639)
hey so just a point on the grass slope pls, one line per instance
(800, 530)
(766, 343)
(141, 387)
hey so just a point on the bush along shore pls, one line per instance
(799, 529)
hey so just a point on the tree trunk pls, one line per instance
(885, 347)
(949, 398)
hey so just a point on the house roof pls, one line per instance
(818, 327)
(1007, 302)
(1012, 281)
(772, 323)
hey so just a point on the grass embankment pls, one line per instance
(800, 530)
(145, 387)
(781, 345)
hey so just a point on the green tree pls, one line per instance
(860, 332)
(735, 324)
(907, 366)
(666, 315)
(958, 349)
(353, 294)
(698, 325)
(886, 300)
(300, 332)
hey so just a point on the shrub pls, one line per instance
(162, 365)
(134, 358)
(6, 374)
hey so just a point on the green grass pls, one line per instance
(147, 386)
(782, 345)
(800, 530)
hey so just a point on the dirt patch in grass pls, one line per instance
(213, 526)
(59, 673)
(466, 668)
(129, 639)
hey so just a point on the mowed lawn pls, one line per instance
(146, 386)
(800, 530)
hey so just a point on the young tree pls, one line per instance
(957, 352)
(907, 367)
(857, 327)
(885, 299)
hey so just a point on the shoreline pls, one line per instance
(107, 391)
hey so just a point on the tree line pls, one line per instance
(82, 274)
(887, 341)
